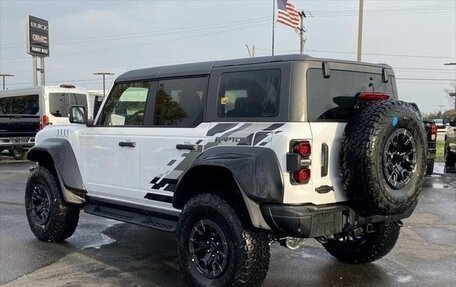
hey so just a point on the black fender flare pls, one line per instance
(256, 171)
(59, 153)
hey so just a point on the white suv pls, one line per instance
(233, 154)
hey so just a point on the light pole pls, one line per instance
(104, 80)
(302, 40)
(454, 93)
(3, 78)
(360, 30)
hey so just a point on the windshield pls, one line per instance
(60, 103)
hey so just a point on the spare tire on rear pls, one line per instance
(383, 158)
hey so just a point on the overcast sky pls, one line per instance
(415, 37)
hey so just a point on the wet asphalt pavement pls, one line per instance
(105, 252)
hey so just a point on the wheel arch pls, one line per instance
(219, 180)
(58, 156)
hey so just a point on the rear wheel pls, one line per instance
(19, 154)
(214, 249)
(364, 247)
(430, 167)
(50, 219)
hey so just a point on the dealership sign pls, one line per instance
(37, 37)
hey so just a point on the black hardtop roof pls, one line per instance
(204, 68)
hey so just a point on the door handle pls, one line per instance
(127, 144)
(187, 146)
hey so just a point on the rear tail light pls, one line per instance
(302, 148)
(302, 176)
(373, 96)
(433, 132)
(298, 161)
(44, 121)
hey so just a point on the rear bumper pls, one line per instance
(308, 221)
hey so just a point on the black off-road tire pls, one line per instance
(19, 154)
(430, 167)
(365, 248)
(49, 217)
(450, 160)
(372, 128)
(248, 250)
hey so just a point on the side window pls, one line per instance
(179, 102)
(20, 105)
(125, 105)
(60, 103)
(249, 94)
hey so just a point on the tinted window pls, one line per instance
(125, 105)
(249, 94)
(333, 98)
(20, 105)
(179, 102)
(60, 103)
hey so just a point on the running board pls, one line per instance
(136, 216)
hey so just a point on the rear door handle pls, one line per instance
(187, 146)
(127, 144)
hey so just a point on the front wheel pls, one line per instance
(366, 246)
(49, 217)
(214, 249)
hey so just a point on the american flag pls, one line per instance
(287, 14)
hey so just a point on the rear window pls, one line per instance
(249, 94)
(28, 105)
(333, 98)
(60, 103)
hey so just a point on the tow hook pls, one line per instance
(400, 223)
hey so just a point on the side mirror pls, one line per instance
(78, 115)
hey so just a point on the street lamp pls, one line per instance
(3, 78)
(104, 80)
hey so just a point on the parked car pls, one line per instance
(25, 111)
(431, 135)
(17, 133)
(441, 126)
(234, 154)
(450, 147)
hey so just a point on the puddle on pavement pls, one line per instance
(104, 240)
(91, 235)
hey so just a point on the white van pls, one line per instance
(51, 103)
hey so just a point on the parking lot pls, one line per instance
(104, 252)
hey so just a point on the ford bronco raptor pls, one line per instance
(232, 155)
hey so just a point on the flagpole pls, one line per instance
(273, 24)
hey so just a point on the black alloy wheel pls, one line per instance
(40, 204)
(399, 158)
(209, 248)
